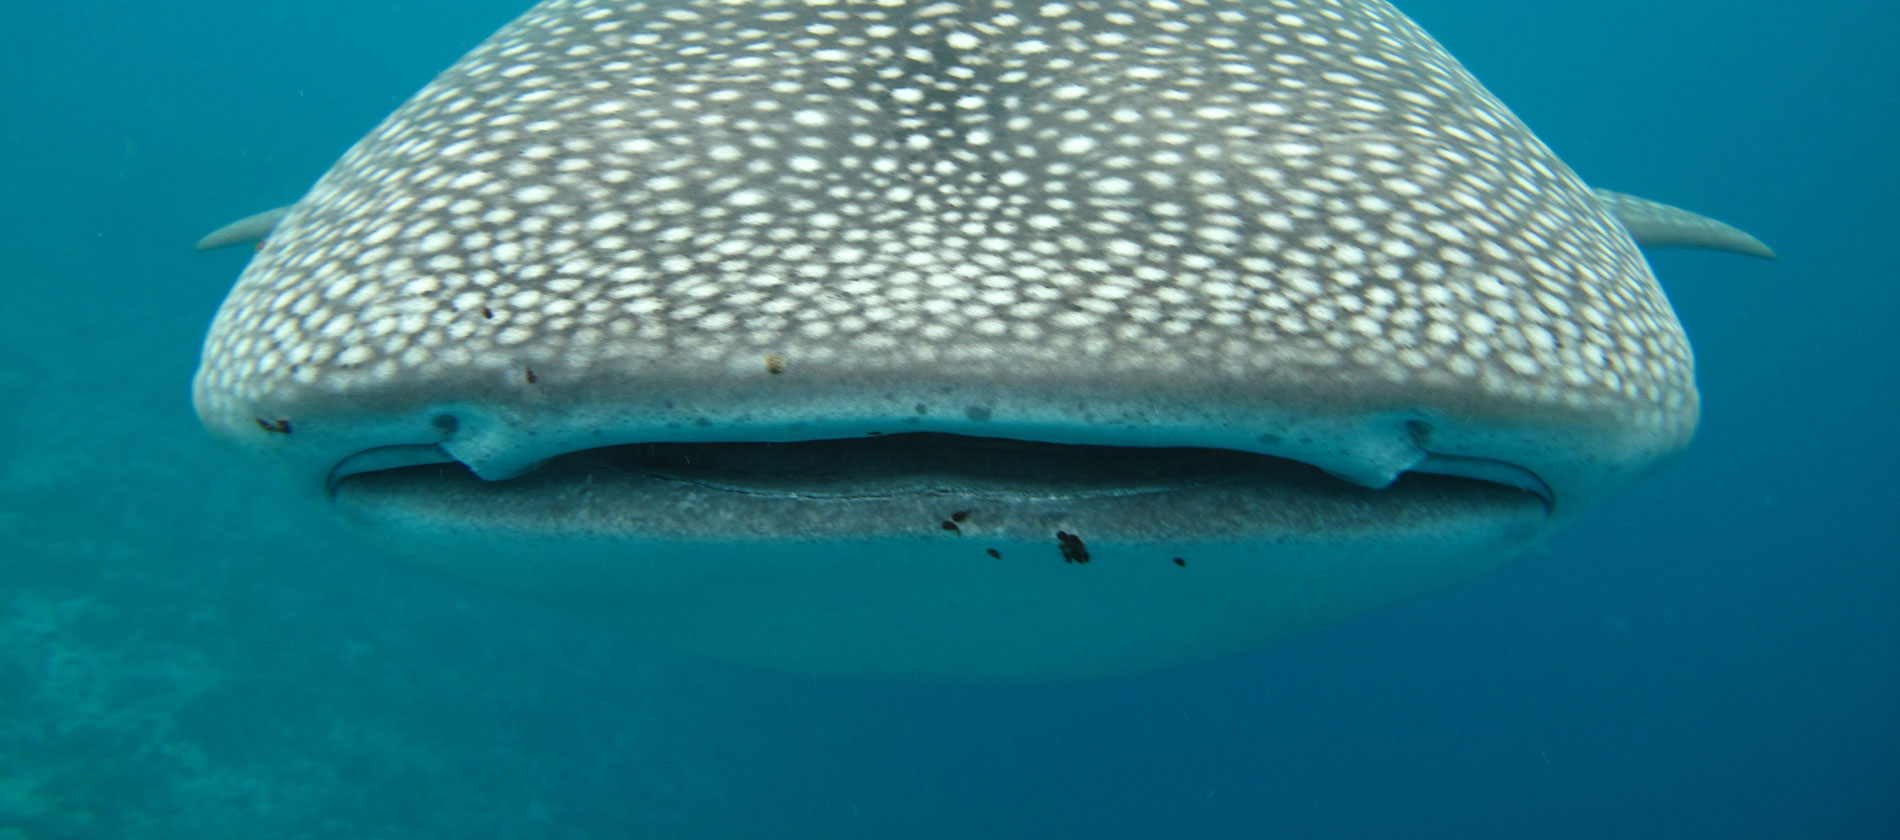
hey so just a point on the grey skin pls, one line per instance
(956, 340)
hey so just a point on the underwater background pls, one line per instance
(187, 650)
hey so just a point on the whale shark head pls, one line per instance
(953, 339)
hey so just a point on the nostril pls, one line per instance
(1420, 431)
(445, 423)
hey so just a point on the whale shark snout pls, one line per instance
(955, 340)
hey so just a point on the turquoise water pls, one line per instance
(187, 651)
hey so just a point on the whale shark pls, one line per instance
(956, 340)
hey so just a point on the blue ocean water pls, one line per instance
(186, 650)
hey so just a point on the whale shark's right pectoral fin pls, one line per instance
(247, 229)
(1654, 224)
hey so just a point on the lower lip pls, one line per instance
(834, 556)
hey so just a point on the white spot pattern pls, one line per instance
(1301, 191)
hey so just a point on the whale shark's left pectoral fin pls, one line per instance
(247, 229)
(1654, 224)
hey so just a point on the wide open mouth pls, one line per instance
(890, 484)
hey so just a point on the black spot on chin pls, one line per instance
(978, 413)
(1073, 551)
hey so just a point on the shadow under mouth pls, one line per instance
(902, 483)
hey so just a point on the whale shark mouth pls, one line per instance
(930, 483)
(931, 555)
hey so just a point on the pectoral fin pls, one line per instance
(1656, 225)
(245, 230)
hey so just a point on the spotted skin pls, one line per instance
(1296, 195)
